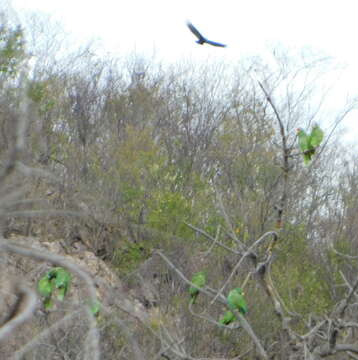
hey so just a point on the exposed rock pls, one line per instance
(110, 290)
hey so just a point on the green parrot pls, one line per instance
(199, 279)
(309, 143)
(61, 279)
(227, 318)
(316, 136)
(237, 301)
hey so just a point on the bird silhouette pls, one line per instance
(201, 39)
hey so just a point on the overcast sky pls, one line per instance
(248, 28)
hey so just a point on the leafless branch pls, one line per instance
(325, 350)
(21, 311)
(214, 242)
(61, 261)
(313, 330)
(227, 219)
(286, 151)
(206, 290)
(21, 126)
(208, 236)
(36, 340)
(139, 355)
(345, 302)
(343, 255)
(246, 254)
(42, 213)
(245, 325)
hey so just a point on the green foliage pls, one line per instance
(338, 263)
(39, 93)
(127, 257)
(57, 280)
(169, 211)
(152, 163)
(12, 50)
(147, 189)
(300, 279)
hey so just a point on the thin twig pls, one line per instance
(204, 290)
(22, 310)
(214, 242)
(204, 233)
(227, 220)
(93, 348)
(36, 340)
(246, 254)
(246, 326)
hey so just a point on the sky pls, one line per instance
(249, 28)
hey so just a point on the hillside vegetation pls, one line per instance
(166, 171)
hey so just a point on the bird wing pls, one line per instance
(236, 300)
(242, 305)
(316, 136)
(303, 140)
(227, 318)
(214, 43)
(195, 31)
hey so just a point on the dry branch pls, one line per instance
(93, 348)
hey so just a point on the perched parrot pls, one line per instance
(309, 143)
(237, 301)
(199, 279)
(316, 136)
(227, 318)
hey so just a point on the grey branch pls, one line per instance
(93, 348)
(21, 311)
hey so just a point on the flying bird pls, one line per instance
(201, 39)
(309, 143)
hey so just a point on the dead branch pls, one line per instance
(245, 325)
(36, 254)
(36, 340)
(21, 311)
(247, 253)
(208, 236)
